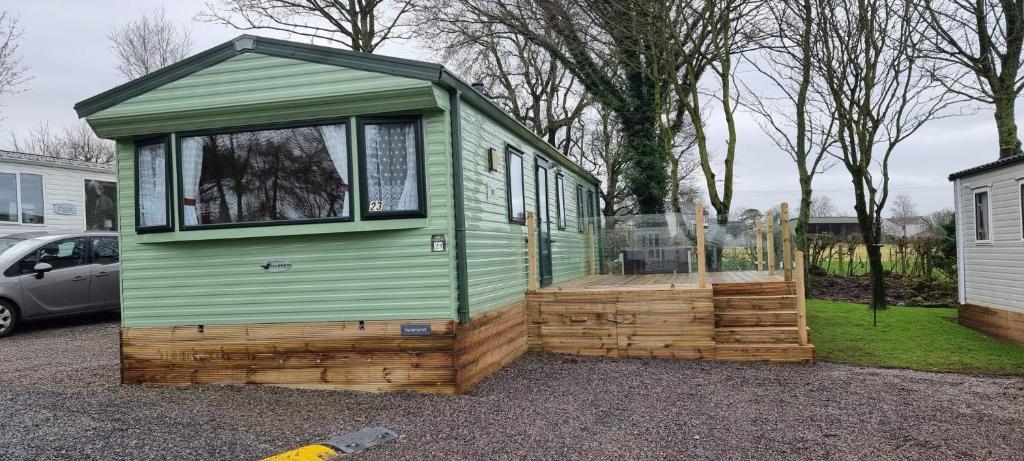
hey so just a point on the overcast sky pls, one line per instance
(69, 58)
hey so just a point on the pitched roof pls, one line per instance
(1013, 159)
(36, 159)
(407, 68)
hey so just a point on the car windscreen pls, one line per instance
(7, 242)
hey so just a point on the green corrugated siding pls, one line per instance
(496, 249)
(253, 88)
(367, 275)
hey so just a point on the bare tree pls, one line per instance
(620, 53)
(976, 49)
(149, 42)
(360, 25)
(732, 28)
(76, 142)
(867, 53)
(822, 207)
(797, 121)
(12, 72)
(518, 75)
(904, 212)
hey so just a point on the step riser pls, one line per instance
(731, 304)
(742, 353)
(756, 319)
(759, 337)
(755, 289)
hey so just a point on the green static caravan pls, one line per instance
(274, 191)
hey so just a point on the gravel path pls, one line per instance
(60, 399)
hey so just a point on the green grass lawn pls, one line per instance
(927, 339)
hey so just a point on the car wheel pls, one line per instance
(8, 319)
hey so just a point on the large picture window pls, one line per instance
(515, 186)
(21, 198)
(391, 159)
(152, 186)
(271, 176)
(982, 216)
(100, 205)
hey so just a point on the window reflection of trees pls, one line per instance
(270, 175)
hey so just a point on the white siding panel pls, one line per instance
(60, 185)
(993, 273)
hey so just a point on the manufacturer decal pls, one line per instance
(276, 266)
(416, 329)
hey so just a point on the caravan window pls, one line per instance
(982, 216)
(269, 176)
(515, 186)
(21, 198)
(152, 186)
(391, 159)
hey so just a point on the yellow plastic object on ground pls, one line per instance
(306, 453)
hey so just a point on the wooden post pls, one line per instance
(770, 240)
(531, 251)
(702, 270)
(593, 249)
(801, 300)
(758, 246)
(787, 243)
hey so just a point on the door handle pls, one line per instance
(78, 278)
(102, 274)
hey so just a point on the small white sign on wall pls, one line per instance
(65, 209)
(492, 192)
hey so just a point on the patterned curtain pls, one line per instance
(152, 185)
(391, 166)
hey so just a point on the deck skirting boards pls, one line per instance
(366, 356)
(1001, 323)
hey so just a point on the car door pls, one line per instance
(104, 290)
(63, 290)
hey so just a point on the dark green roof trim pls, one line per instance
(1011, 160)
(399, 67)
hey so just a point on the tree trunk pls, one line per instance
(646, 172)
(878, 297)
(1009, 143)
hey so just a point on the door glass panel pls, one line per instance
(542, 194)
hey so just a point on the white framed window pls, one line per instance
(560, 199)
(983, 215)
(515, 185)
(21, 198)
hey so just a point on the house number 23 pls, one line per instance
(376, 205)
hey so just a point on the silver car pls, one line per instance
(52, 275)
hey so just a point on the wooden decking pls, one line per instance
(743, 316)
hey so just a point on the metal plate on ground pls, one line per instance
(367, 437)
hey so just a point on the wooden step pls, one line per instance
(754, 335)
(792, 353)
(783, 302)
(754, 289)
(755, 318)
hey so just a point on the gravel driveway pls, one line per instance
(61, 400)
